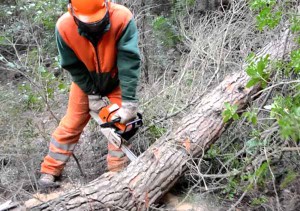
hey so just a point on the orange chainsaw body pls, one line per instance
(107, 112)
(126, 131)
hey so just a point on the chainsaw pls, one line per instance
(118, 134)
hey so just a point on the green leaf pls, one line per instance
(261, 65)
(62, 87)
(295, 60)
(2, 40)
(226, 118)
(286, 110)
(289, 178)
(227, 105)
(235, 117)
(157, 131)
(252, 82)
(268, 17)
(251, 117)
(259, 4)
(50, 92)
(212, 152)
(295, 24)
(254, 120)
(251, 71)
(229, 112)
(259, 200)
(264, 84)
(257, 72)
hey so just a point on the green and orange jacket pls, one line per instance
(114, 61)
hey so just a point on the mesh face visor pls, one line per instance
(95, 27)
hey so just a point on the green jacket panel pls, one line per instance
(128, 62)
(78, 71)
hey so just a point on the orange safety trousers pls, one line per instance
(66, 135)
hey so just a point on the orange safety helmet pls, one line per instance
(88, 11)
(91, 16)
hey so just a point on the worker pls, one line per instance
(98, 45)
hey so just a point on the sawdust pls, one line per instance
(174, 203)
(39, 198)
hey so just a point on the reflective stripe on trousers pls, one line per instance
(66, 147)
(116, 158)
(57, 156)
(61, 152)
(118, 154)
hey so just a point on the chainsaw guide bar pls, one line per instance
(113, 136)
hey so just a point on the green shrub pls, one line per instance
(165, 31)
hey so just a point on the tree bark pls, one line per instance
(148, 178)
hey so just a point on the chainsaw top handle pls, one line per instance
(111, 123)
(138, 122)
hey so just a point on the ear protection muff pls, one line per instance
(70, 9)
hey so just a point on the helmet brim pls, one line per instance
(91, 18)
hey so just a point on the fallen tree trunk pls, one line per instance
(156, 170)
(148, 178)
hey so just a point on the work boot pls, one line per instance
(47, 181)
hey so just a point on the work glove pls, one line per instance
(127, 112)
(96, 103)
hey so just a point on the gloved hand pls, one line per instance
(127, 112)
(96, 103)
